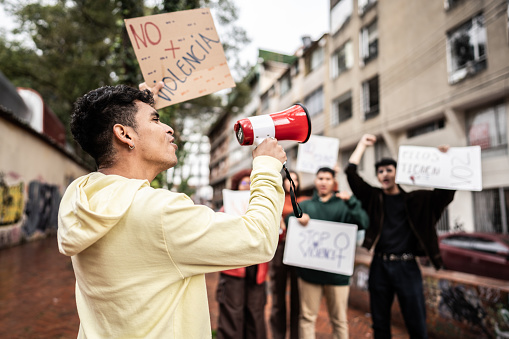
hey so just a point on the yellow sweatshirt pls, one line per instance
(140, 254)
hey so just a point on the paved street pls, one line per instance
(37, 296)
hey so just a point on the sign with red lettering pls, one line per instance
(183, 50)
(458, 169)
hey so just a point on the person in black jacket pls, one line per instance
(402, 227)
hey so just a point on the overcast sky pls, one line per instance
(278, 25)
(275, 25)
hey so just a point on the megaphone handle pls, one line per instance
(296, 208)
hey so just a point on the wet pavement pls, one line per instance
(37, 297)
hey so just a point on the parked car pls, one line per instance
(485, 254)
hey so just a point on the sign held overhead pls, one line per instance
(457, 169)
(183, 50)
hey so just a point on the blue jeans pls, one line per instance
(401, 278)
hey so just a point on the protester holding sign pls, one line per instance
(140, 254)
(241, 292)
(402, 226)
(325, 205)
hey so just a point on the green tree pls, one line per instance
(69, 51)
(75, 46)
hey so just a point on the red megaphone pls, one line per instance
(291, 124)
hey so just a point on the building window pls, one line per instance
(370, 102)
(448, 4)
(265, 101)
(294, 69)
(345, 157)
(368, 43)
(314, 102)
(365, 5)
(340, 14)
(426, 128)
(442, 225)
(285, 84)
(466, 49)
(272, 91)
(488, 128)
(491, 208)
(381, 150)
(341, 109)
(342, 59)
(316, 59)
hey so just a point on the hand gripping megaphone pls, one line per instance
(293, 123)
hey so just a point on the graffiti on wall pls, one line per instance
(483, 310)
(11, 202)
(41, 208)
(26, 211)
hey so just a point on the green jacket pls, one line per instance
(337, 210)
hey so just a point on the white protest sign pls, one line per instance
(235, 202)
(321, 245)
(183, 50)
(458, 169)
(317, 152)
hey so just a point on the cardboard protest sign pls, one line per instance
(183, 50)
(235, 202)
(316, 153)
(458, 169)
(321, 245)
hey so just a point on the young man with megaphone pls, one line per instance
(140, 254)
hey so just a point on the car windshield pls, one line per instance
(478, 244)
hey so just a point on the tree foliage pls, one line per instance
(70, 47)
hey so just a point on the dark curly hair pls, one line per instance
(386, 162)
(237, 177)
(96, 113)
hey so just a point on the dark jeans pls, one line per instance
(279, 274)
(241, 308)
(403, 278)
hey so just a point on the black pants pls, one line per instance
(241, 308)
(401, 278)
(279, 275)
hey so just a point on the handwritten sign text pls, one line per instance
(321, 245)
(459, 168)
(183, 50)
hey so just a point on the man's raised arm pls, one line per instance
(366, 140)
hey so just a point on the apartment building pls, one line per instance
(306, 82)
(420, 73)
(425, 73)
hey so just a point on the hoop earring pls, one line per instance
(131, 147)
